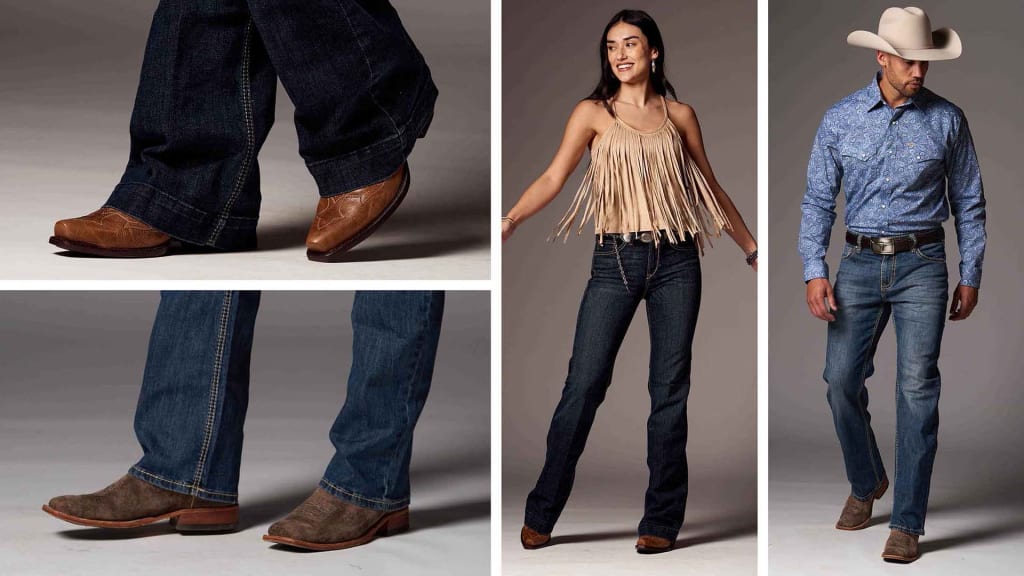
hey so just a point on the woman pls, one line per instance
(654, 199)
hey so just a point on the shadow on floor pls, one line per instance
(692, 534)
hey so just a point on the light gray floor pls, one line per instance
(975, 522)
(70, 384)
(70, 80)
(597, 532)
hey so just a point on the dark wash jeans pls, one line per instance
(912, 288)
(195, 392)
(205, 104)
(623, 274)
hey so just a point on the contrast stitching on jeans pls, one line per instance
(250, 134)
(369, 67)
(211, 409)
(395, 461)
(907, 530)
(190, 486)
(875, 336)
(355, 496)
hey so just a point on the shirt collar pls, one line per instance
(871, 95)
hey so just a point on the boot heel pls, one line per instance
(206, 519)
(396, 524)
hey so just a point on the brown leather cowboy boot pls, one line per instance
(130, 502)
(324, 522)
(344, 220)
(653, 545)
(901, 547)
(531, 539)
(856, 513)
(111, 233)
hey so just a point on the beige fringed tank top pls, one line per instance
(644, 181)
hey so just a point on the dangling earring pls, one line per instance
(654, 66)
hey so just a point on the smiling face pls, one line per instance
(904, 76)
(629, 53)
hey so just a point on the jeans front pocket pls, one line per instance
(933, 252)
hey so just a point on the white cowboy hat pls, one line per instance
(907, 33)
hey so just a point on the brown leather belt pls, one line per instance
(894, 244)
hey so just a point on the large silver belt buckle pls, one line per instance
(883, 246)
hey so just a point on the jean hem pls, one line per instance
(182, 487)
(906, 530)
(540, 527)
(381, 504)
(649, 529)
(378, 161)
(181, 220)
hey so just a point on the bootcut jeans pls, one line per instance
(362, 92)
(912, 288)
(668, 278)
(195, 392)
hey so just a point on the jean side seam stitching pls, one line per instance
(214, 388)
(875, 336)
(408, 394)
(369, 67)
(250, 135)
(188, 485)
(353, 495)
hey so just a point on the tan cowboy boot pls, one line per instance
(324, 522)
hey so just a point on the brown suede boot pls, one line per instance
(130, 502)
(653, 545)
(324, 522)
(856, 514)
(901, 547)
(531, 539)
(111, 233)
(344, 220)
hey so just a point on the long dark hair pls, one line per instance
(609, 84)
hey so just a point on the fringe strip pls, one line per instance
(626, 164)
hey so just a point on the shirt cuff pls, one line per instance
(815, 269)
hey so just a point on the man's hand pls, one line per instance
(965, 298)
(818, 292)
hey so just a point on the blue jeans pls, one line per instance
(911, 287)
(362, 92)
(196, 389)
(623, 274)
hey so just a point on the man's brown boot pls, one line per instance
(856, 514)
(531, 539)
(653, 545)
(111, 233)
(901, 547)
(324, 522)
(130, 502)
(344, 220)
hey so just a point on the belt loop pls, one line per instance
(860, 239)
(913, 241)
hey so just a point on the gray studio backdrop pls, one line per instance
(550, 62)
(73, 364)
(811, 68)
(70, 72)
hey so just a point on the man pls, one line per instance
(205, 104)
(192, 407)
(905, 158)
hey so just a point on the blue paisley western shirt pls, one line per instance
(902, 169)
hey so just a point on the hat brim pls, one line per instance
(946, 41)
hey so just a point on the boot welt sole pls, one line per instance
(899, 559)
(653, 550)
(94, 250)
(390, 524)
(336, 254)
(184, 519)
